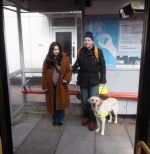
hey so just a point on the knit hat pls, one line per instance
(90, 35)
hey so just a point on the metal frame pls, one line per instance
(21, 70)
(8, 78)
(143, 111)
(5, 117)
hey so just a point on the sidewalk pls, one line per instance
(34, 134)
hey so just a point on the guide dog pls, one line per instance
(101, 109)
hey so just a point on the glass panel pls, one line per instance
(63, 22)
(65, 39)
(12, 40)
(35, 28)
(15, 92)
(34, 81)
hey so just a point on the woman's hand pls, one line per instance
(46, 90)
(64, 81)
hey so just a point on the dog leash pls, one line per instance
(102, 90)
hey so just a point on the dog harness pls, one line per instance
(102, 115)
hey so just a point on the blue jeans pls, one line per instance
(85, 94)
(57, 115)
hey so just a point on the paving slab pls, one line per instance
(76, 140)
(71, 138)
(43, 139)
(21, 130)
(113, 145)
(73, 120)
(131, 132)
(115, 129)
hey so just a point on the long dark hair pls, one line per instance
(50, 58)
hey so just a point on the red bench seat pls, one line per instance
(121, 95)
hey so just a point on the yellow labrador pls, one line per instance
(101, 109)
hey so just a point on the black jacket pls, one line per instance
(92, 70)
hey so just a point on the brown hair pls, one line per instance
(50, 56)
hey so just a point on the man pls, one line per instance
(92, 72)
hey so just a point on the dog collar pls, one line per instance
(102, 115)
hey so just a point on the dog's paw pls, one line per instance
(102, 133)
(109, 121)
(97, 130)
(115, 122)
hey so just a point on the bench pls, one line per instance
(125, 98)
(119, 95)
(125, 108)
(40, 91)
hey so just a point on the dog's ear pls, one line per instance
(100, 101)
(89, 100)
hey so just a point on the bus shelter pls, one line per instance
(27, 41)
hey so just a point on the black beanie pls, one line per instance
(90, 35)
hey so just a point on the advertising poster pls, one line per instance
(105, 33)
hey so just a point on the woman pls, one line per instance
(56, 75)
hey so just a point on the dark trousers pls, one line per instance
(57, 115)
(86, 108)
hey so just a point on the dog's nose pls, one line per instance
(93, 105)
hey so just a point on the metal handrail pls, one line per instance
(1, 146)
(141, 145)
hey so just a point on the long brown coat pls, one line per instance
(62, 91)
